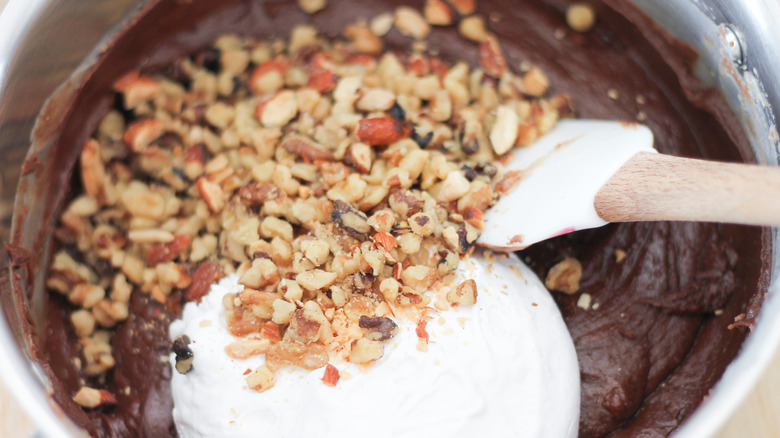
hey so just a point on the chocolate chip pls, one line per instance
(422, 141)
(184, 355)
(397, 112)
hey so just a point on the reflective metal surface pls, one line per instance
(42, 42)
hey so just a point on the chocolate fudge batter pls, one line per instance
(654, 346)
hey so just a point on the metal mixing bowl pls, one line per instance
(44, 42)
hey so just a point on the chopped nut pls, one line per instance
(535, 82)
(464, 294)
(316, 250)
(359, 156)
(419, 278)
(365, 350)
(262, 273)
(261, 379)
(136, 89)
(141, 133)
(83, 322)
(212, 193)
(491, 57)
(454, 187)
(504, 132)
(93, 173)
(279, 110)
(376, 100)
(580, 17)
(283, 311)
(364, 40)
(275, 227)
(381, 24)
(93, 398)
(379, 328)
(315, 279)
(306, 149)
(464, 7)
(473, 28)
(583, 302)
(565, 276)
(410, 23)
(312, 6)
(438, 13)
(352, 221)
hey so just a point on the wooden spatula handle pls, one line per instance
(651, 187)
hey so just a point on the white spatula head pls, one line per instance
(548, 188)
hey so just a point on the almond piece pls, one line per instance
(410, 23)
(504, 132)
(473, 28)
(380, 131)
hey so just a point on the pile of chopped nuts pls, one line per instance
(343, 183)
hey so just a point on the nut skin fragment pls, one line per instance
(331, 376)
(565, 276)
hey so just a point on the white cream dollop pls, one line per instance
(503, 367)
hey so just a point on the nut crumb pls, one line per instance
(565, 276)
